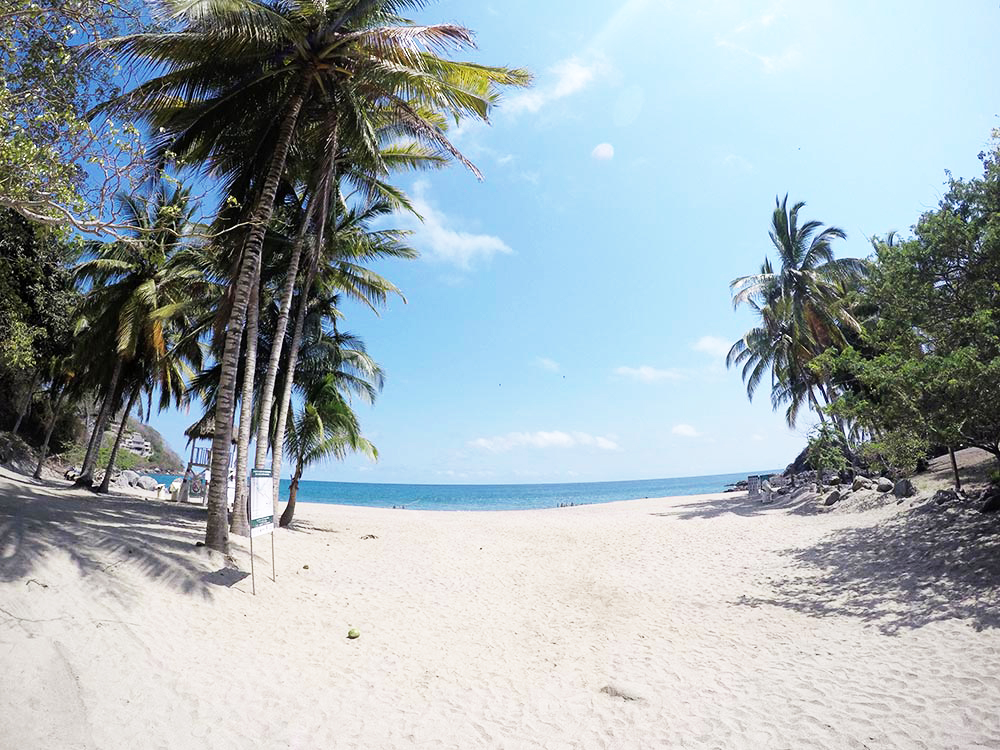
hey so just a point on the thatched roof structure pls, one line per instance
(203, 429)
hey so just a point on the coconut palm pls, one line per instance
(800, 307)
(240, 74)
(324, 427)
(348, 249)
(137, 290)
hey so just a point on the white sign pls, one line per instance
(261, 503)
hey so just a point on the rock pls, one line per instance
(784, 490)
(945, 496)
(129, 477)
(904, 488)
(832, 498)
(884, 485)
(800, 464)
(146, 483)
(861, 483)
(991, 499)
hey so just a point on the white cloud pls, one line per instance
(565, 78)
(542, 440)
(787, 57)
(647, 374)
(685, 430)
(713, 345)
(438, 241)
(603, 152)
(737, 162)
(549, 365)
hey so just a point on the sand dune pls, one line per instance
(703, 622)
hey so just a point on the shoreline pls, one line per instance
(696, 621)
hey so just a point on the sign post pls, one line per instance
(261, 514)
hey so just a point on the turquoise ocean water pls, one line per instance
(498, 496)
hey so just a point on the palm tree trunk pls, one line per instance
(43, 452)
(954, 469)
(27, 401)
(106, 482)
(293, 346)
(239, 523)
(217, 528)
(293, 490)
(94, 448)
(271, 377)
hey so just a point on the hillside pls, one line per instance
(161, 460)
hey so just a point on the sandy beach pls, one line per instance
(697, 622)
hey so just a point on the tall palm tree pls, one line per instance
(800, 308)
(343, 260)
(239, 76)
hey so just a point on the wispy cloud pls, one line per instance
(549, 365)
(544, 440)
(603, 152)
(685, 430)
(741, 39)
(565, 78)
(713, 345)
(647, 374)
(438, 241)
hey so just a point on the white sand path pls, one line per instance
(701, 622)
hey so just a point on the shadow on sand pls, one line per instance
(929, 564)
(99, 533)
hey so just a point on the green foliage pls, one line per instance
(895, 450)
(46, 91)
(826, 449)
(800, 308)
(927, 369)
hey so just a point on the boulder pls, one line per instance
(784, 490)
(129, 477)
(861, 483)
(945, 496)
(833, 481)
(904, 488)
(884, 485)
(832, 498)
(147, 483)
(991, 499)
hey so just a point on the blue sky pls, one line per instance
(569, 316)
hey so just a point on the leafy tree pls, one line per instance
(930, 369)
(56, 167)
(37, 304)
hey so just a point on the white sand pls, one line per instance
(701, 622)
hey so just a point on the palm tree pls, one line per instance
(801, 311)
(349, 248)
(241, 73)
(139, 287)
(325, 427)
